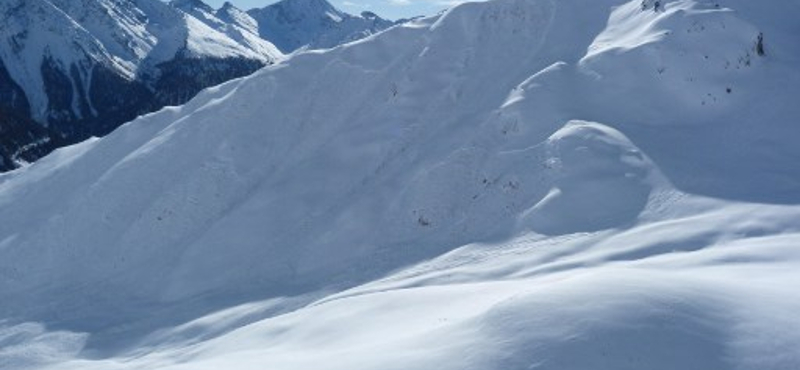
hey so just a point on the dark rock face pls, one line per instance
(116, 101)
(183, 77)
(11, 95)
(60, 93)
(21, 139)
(76, 112)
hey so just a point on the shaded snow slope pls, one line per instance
(492, 188)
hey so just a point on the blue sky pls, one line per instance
(391, 9)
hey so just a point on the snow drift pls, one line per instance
(512, 184)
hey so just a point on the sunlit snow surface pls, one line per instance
(517, 184)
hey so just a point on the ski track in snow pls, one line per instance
(495, 187)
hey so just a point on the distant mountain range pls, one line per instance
(72, 69)
(293, 24)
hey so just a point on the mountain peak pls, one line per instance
(230, 14)
(192, 4)
(294, 24)
(294, 9)
(306, 4)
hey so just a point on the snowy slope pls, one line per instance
(492, 188)
(315, 24)
(234, 23)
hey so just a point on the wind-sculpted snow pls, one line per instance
(515, 184)
(600, 180)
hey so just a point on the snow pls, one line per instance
(490, 188)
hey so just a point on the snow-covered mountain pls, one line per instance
(315, 24)
(230, 21)
(514, 184)
(51, 60)
(83, 67)
(235, 16)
